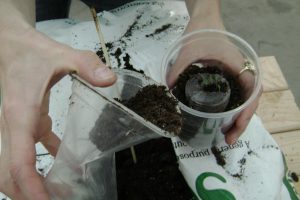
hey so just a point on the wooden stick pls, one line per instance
(108, 63)
(100, 35)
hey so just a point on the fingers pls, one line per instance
(20, 126)
(51, 142)
(241, 123)
(22, 167)
(238, 128)
(29, 182)
(90, 68)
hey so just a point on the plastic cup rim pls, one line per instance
(220, 114)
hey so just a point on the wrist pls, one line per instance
(204, 14)
(11, 41)
(17, 29)
(203, 8)
(17, 14)
(15, 32)
(196, 24)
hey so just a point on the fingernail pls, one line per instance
(103, 73)
(233, 140)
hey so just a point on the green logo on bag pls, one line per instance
(215, 194)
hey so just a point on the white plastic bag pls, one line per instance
(253, 168)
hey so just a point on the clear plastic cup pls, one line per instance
(203, 129)
(97, 125)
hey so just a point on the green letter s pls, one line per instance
(216, 194)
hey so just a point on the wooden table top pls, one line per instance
(280, 113)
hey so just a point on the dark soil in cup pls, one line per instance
(236, 98)
(155, 105)
(155, 176)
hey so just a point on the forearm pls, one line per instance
(17, 14)
(17, 19)
(205, 13)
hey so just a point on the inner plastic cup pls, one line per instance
(204, 101)
(203, 129)
(97, 126)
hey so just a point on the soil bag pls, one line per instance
(252, 168)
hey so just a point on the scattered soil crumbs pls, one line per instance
(236, 98)
(239, 174)
(295, 177)
(100, 54)
(128, 32)
(242, 164)
(120, 45)
(109, 45)
(159, 30)
(155, 176)
(155, 105)
(117, 55)
(219, 157)
(128, 65)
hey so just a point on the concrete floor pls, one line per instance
(272, 27)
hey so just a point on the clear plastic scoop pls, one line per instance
(97, 126)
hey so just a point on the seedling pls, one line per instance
(207, 92)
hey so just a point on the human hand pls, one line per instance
(214, 51)
(30, 64)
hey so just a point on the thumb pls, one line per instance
(89, 67)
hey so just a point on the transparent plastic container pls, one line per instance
(203, 129)
(97, 126)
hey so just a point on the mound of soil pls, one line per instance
(155, 105)
(155, 176)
